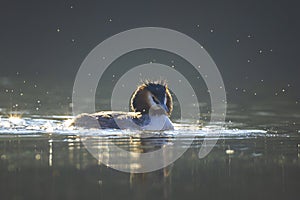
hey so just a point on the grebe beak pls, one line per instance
(164, 107)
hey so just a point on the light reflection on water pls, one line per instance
(43, 158)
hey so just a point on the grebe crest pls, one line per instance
(152, 96)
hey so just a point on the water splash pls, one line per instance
(61, 125)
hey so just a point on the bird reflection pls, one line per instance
(140, 183)
(161, 177)
(131, 154)
(127, 154)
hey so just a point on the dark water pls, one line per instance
(256, 157)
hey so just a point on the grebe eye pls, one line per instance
(154, 99)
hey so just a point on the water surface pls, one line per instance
(256, 157)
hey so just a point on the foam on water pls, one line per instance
(60, 125)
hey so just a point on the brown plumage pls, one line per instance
(139, 99)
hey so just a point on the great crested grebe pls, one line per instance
(151, 106)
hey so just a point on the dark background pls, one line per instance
(255, 44)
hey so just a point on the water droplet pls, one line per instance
(38, 156)
(229, 151)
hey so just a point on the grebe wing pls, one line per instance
(106, 119)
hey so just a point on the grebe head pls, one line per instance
(150, 94)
